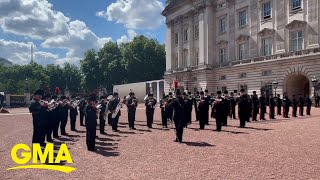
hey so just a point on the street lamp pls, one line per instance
(314, 84)
(275, 86)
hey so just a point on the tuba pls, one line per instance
(117, 109)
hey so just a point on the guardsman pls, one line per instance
(317, 100)
(279, 104)
(47, 125)
(82, 105)
(57, 121)
(272, 105)
(227, 107)
(243, 108)
(192, 102)
(218, 110)
(132, 104)
(301, 104)
(202, 110)
(187, 108)
(102, 115)
(255, 106)
(38, 110)
(233, 104)
(113, 105)
(263, 106)
(286, 106)
(64, 115)
(195, 100)
(150, 104)
(207, 107)
(163, 104)
(73, 114)
(308, 104)
(169, 109)
(53, 120)
(178, 105)
(294, 106)
(91, 122)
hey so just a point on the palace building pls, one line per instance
(258, 45)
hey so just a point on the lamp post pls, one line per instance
(314, 84)
(275, 86)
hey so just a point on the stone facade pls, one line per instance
(234, 44)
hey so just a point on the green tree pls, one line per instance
(144, 59)
(91, 72)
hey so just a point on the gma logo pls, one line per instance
(46, 157)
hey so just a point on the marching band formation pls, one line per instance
(50, 113)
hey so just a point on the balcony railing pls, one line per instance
(275, 56)
(247, 61)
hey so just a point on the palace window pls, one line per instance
(175, 63)
(244, 86)
(185, 58)
(223, 77)
(296, 4)
(242, 51)
(185, 35)
(223, 55)
(267, 46)
(242, 18)
(176, 39)
(222, 25)
(223, 89)
(243, 75)
(267, 73)
(297, 41)
(196, 32)
(197, 58)
(267, 10)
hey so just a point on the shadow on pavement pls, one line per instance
(198, 144)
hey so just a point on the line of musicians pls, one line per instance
(50, 113)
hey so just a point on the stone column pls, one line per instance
(191, 39)
(8, 100)
(202, 37)
(180, 44)
(169, 45)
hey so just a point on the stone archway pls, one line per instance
(297, 84)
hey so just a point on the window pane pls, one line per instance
(267, 10)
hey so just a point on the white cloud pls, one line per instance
(20, 53)
(127, 38)
(37, 20)
(135, 14)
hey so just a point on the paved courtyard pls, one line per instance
(277, 149)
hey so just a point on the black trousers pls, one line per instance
(102, 124)
(110, 118)
(81, 117)
(49, 129)
(278, 110)
(149, 115)
(179, 129)
(255, 112)
(164, 118)
(300, 110)
(219, 121)
(57, 122)
(271, 112)
(73, 120)
(206, 118)
(131, 118)
(63, 125)
(114, 122)
(233, 112)
(202, 119)
(243, 120)
(188, 116)
(197, 114)
(308, 110)
(91, 138)
(38, 132)
(224, 120)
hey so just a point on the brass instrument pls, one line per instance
(117, 109)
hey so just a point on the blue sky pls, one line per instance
(61, 30)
